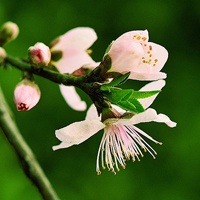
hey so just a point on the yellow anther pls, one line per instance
(139, 37)
(144, 38)
(99, 172)
(89, 51)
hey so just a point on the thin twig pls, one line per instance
(29, 163)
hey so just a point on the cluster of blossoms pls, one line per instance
(121, 140)
(116, 111)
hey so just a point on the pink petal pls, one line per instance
(146, 116)
(78, 38)
(74, 59)
(152, 62)
(161, 54)
(151, 115)
(126, 55)
(92, 113)
(153, 59)
(156, 85)
(164, 118)
(72, 98)
(147, 76)
(77, 133)
(131, 34)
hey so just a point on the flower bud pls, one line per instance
(9, 31)
(40, 54)
(26, 95)
(2, 55)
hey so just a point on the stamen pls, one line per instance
(22, 106)
(144, 38)
(121, 143)
(139, 37)
(99, 173)
(89, 51)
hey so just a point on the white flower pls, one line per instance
(132, 52)
(73, 46)
(121, 140)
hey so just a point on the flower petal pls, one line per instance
(156, 85)
(77, 133)
(146, 116)
(161, 54)
(92, 113)
(150, 115)
(78, 38)
(74, 59)
(153, 59)
(147, 76)
(72, 98)
(165, 119)
(135, 35)
(125, 55)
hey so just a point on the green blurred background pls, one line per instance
(174, 175)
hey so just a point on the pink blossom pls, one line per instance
(132, 52)
(121, 140)
(40, 54)
(73, 46)
(26, 95)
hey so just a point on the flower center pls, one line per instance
(148, 58)
(22, 106)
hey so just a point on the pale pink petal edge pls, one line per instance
(72, 98)
(77, 133)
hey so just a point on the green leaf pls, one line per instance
(117, 94)
(132, 105)
(115, 82)
(143, 94)
(127, 99)
(124, 99)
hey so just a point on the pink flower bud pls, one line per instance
(40, 54)
(26, 95)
